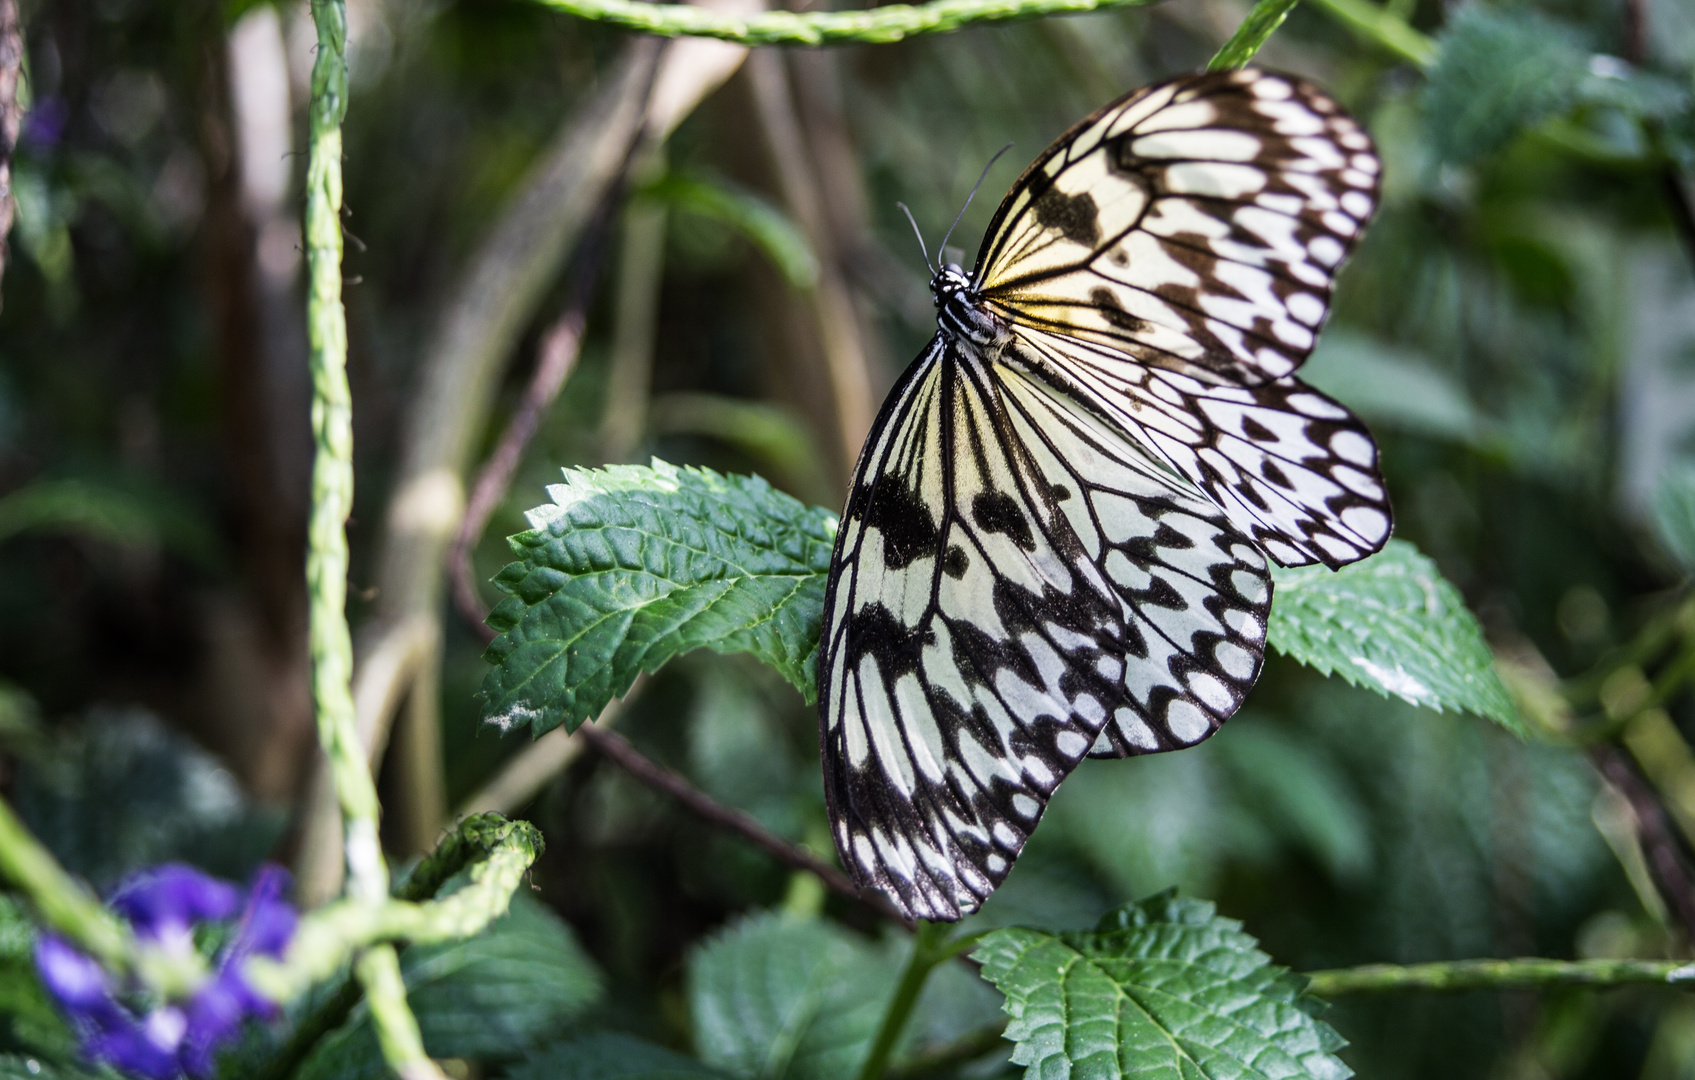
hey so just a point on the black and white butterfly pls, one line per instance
(1055, 542)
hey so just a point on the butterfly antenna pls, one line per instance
(916, 231)
(984, 175)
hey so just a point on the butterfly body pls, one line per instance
(1055, 543)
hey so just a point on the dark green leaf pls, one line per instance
(608, 1056)
(630, 566)
(178, 802)
(490, 997)
(1392, 623)
(25, 1067)
(28, 1019)
(1500, 71)
(1674, 513)
(770, 229)
(779, 998)
(1161, 990)
(1387, 384)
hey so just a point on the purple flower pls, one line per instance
(44, 124)
(164, 905)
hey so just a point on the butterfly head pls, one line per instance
(960, 311)
(949, 280)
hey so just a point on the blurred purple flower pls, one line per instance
(44, 124)
(164, 905)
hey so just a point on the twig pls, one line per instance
(635, 315)
(1261, 23)
(11, 112)
(656, 776)
(1527, 973)
(561, 345)
(1659, 846)
(893, 22)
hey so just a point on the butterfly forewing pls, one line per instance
(1195, 225)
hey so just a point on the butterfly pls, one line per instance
(1055, 542)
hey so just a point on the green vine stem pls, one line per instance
(328, 935)
(332, 467)
(330, 642)
(1261, 23)
(397, 1029)
(1522, 974)
(930, 947)
(60, 899)
(478, 838)
(876, 26)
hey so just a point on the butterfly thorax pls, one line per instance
(961, 312)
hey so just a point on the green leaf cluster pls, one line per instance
(1392, 623)
(630, 566)
(1164, 988)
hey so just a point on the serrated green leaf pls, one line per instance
(1164, 988)
(630, 566)
(489, 997)
(780, 998)
(609, 1056)
(1499, 72)
(1394, 624)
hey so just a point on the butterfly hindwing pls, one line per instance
(1019, 586)
(1295, 470)
(1196, 593)
(1195, 225)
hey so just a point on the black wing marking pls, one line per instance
(1291, 467)
(994, 614)
(1195, 225)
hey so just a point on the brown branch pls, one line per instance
(1659, 846)
(11, 113)
(561, 345)
(659, 778)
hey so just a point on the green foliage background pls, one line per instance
(1518, 328)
